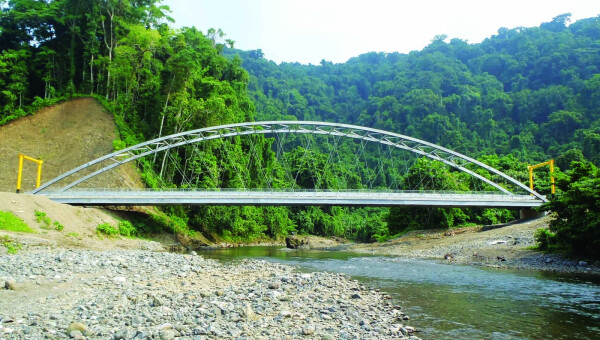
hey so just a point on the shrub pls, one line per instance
(118, 145)
(127, 229)
(107, 229)
(58, 226)
(544, 239)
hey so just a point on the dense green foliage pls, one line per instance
(123, 228)
(107, 229)
(576, 228)
(156, 81)
(533, 93)
(10, 222)
(520, 97)
(524, 95)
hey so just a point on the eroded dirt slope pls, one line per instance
(64, 136)
(79, 225)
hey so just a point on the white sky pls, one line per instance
(308, 31)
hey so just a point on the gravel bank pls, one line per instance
(509, 246)
(129, 294)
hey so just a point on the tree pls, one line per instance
(576, 227)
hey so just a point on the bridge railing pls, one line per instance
(73, 192)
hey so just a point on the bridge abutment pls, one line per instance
(528, 214)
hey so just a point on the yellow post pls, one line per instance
(20, 172)
(39, 175)
(550, 163)
(39, 171)
(530, 177)
(553, 190)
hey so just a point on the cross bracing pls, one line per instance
(336, 131)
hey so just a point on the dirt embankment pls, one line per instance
(64, 136)
(79, 225)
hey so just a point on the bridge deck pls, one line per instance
(290, 198)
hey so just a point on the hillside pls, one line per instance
(527, 92)
(64, 136)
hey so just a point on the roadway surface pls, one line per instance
(99, 197)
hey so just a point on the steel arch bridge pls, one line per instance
(502, 198)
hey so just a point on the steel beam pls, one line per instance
(290, 198)
(414, 145)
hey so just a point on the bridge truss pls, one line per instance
(392, 140)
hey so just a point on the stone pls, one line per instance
(120, 335)
(355, 296)
(119, 279)
(274, 285)
(75, 334)
(76, 326)
(308, 330)
(167, 334)
(10, 285)
(295, 242)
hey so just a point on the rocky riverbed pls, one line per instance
(133, 294)
(508, 246)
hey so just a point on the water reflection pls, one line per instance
(461, 302)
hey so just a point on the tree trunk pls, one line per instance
(162, 121)
(92, 73)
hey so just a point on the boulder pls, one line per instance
(297, 242)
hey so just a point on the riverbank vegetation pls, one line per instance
(576, 228)
(520, 97)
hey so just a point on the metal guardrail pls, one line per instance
(174, 196)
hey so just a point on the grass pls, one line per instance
(46, 223)
(41, 218)
(58, 226)
(10, 222)
(72, 234)
(11, 245)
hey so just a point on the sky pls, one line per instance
(308, 31)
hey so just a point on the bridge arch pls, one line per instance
(417, 146)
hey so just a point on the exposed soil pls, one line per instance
(64, 136)
(79, 225)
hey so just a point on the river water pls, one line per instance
(459, 302)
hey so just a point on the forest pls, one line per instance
(520, 97)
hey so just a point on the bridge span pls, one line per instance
(395, 171)
(102, 197)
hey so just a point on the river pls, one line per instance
(460, 302)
